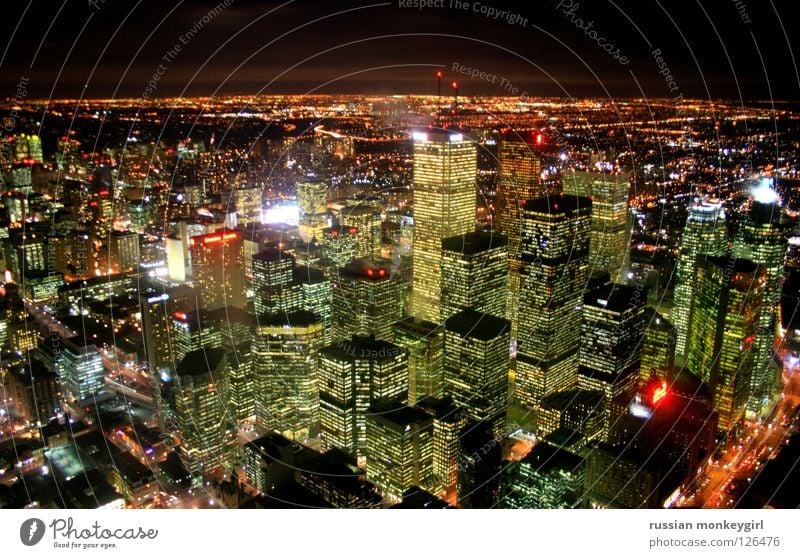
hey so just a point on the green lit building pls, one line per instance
(723, 330)
(761, 239)
(547, 478)
(705, 234)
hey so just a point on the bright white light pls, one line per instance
(286, 213)
(764, 192)
(456, 137)
(419, 136)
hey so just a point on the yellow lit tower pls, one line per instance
(519, 178)
(445, 167)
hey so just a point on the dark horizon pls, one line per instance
(552, 49)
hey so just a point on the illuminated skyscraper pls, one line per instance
(658, 346)
(315, 294)
(519, 178)
(477, 366)
(286, 375)
(366, 299)
(705, 233)
(80, 368)
(724, 324)
(338, 248)
(354, 374)
(423, 341)
(761, 240)
(555, 256)
(218, 269)
(241, 387)
(448, 420)
(192, 331)
(123, 252)
(445, 167)
(474, 273)
(368, 224)
(312, 199)
(273, 288)
(611, 224)
(611, 344)
(547, 478)
(399, 442)
(203, 421)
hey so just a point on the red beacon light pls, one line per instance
(659, 393)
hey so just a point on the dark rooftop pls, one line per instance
(200, 361)
(478, 325)
(614, 297)
(545, 458)
(474, 242)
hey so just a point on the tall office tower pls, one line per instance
(519, 178)
(312, 196)
(369, 226)
(338, 248)
(25, 252)
(192, 331)
(611, 223)
(423, 342)
(476, 367)
(658, 346)
(448, 420)
(445, 167)
(273, 289)
(315, 294)
(286, 378)
(123, 251)
(723, 329)
(158, 304)
(548, 477)
(366, 300)
(705, 233)
(479, 463)
(247, 202)
(611, 345)
(241, 387)
(573, 410)
(399, 443)
(354, 374)
(556, 233)
(761, 240)
(474, 273)
(33, 389)
(202, 417)
(218, 268)
(80, 368)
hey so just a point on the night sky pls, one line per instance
(710, 48)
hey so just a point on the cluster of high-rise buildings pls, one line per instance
(363, 356)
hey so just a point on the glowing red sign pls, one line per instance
(659, 393)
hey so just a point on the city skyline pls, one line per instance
(415, 254)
